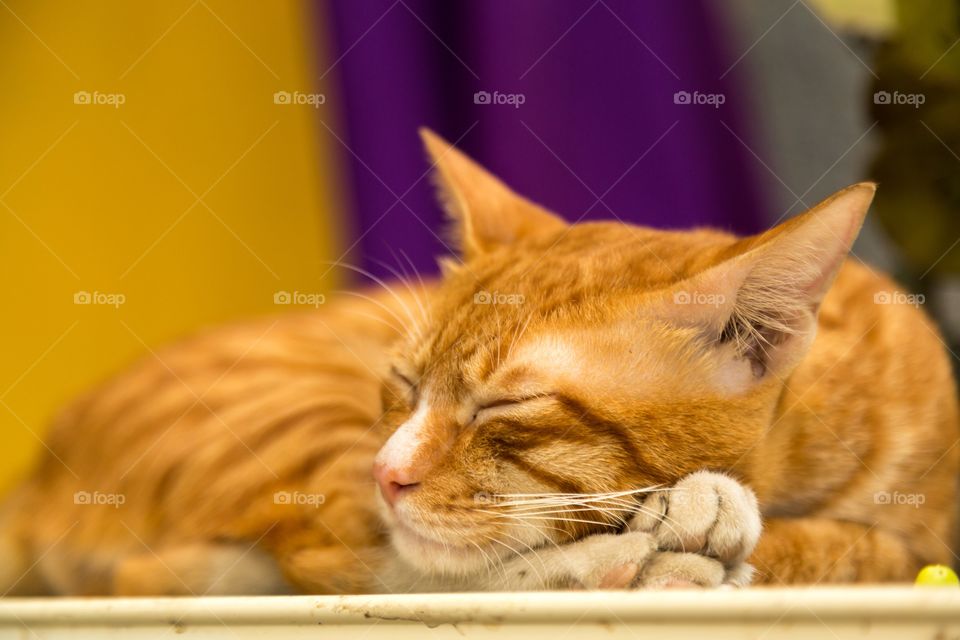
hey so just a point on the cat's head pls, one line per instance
(559, 367)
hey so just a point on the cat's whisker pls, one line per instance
(521, 555)
(612, 512)
(574, 509)
(558, 504)
(494, 513)
(563, 499)
(413, 269)
(498, 556)
(405, 280)
(519, 334)
(560, 499)
(524, 520)
(535, 554)
(429, 520)
(381, 283)
(650, 489)
(496, 312)
(539, 528)
(605, 524)
(408, 327)
(561, 515)
(666, 520)
(637, 507)
(489, 564)
(579, 495)
(488, 561)
(384, 321)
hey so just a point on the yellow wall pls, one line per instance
(97, 198)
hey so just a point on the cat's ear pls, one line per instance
(486, 213)
(760, 305)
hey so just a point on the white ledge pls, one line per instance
(799, 612)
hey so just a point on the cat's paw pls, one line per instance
(706, 513)
(696, 534)
(632, 560)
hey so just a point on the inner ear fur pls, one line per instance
(764, 299)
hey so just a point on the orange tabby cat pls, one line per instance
(572, 406)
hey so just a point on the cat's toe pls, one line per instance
(740, 575)
(606, 561)
(706, 513)
(620, 577)
(668, 569)
(672, 570)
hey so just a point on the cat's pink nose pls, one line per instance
(393, 481)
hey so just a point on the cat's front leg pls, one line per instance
(821, 550)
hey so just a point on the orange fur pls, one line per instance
(590, 358)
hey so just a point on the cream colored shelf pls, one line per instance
(901, 613)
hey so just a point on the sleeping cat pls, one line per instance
(594, 405)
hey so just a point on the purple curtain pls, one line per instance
(574, 104)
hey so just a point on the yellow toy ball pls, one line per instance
(937, 575)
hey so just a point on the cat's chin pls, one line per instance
(433, 556)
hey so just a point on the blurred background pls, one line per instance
(170, 165)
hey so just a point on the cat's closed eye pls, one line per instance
(411, 388)
(489, 407)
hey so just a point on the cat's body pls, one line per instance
(589, 361)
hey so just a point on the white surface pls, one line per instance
(900, 613)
